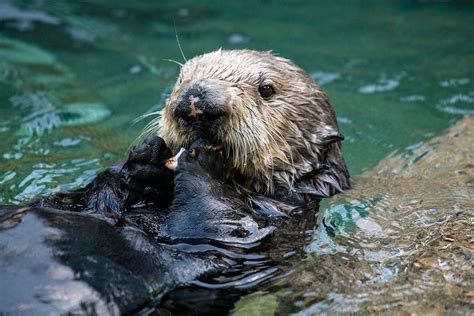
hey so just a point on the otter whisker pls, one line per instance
(179, 44)
(144, 116)
(174, 61)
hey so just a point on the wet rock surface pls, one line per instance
(400, 242)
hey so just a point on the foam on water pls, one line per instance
(383, 84)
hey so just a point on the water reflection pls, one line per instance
(48, 177)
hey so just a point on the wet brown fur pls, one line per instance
(289, 142)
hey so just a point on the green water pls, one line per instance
(397, 72)
(75, 74)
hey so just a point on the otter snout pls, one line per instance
(201, 103)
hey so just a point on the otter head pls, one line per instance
(278, 130)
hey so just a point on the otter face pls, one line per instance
(275, 124)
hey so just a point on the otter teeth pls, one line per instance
(172, 163)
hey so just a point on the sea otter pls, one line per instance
(262, 146)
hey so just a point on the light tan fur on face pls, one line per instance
(269, 143)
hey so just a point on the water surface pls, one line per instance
(74, 75)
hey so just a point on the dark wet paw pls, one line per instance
(153, 151)
(208, 158)
(146, 175)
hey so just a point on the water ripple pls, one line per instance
(383, 84)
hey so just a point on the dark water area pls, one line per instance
(74, 76)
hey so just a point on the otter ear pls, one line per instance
(327, 136)
(330, 175)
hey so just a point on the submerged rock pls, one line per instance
(17, 52)
(82, 113)
(73, 114)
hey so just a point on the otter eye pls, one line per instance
(266, 91)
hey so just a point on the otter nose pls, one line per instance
(197, 104)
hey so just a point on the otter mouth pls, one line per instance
(204, 131)
(203, 143)
(172, 163)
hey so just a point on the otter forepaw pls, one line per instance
(146, 175)
(207, 157)
(152, 151)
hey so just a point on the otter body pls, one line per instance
(262, 147)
